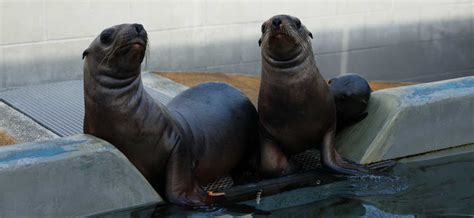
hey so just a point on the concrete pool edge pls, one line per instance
(394, 104)
(412, 120)
(70, 176)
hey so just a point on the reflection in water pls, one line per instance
(442, 186)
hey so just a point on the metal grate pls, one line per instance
(307, 160)
(220, 184)
(58, 107)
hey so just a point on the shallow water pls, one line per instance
(441, 187)
(437, 187)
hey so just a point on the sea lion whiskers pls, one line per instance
(121, 42)
(147, 55)
(299, 36)
(295, 47)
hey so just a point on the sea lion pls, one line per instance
(351, 94)
(202, 134)
(296, 108)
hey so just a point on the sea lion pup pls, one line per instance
(351, 94)
(296, 108)
(203, 134)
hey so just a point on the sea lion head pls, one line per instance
(284, 37)
(351, 94)
(118, 51)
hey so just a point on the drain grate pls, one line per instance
(220, 184)
(58, 107)
(308, 160)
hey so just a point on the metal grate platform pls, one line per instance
(308, 160)
(58, 107)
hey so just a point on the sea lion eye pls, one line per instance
(298, 24)
(263, 28)
(106, 36)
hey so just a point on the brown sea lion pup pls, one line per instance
(351, 94)
(296, 108)
(201, 135)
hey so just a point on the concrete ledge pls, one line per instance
(412, 120)
(73, 176)
(162, 84)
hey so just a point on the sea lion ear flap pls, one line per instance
(85, 53)
(260, 42)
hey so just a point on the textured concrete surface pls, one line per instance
(6, 138)
(387, 40)
(20, 127)
(247, 84)
(69, 177)
(412, 120)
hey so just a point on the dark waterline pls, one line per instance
(435, 187)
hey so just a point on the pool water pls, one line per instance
(435, 187)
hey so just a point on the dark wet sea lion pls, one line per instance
(296, 108)
(202, 134)
(351, 94)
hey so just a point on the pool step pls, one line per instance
(412, 120)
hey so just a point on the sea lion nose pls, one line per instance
(276, 22)
(138, 27)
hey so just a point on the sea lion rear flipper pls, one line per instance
(273, 162)
(182, 187)
(336, 163)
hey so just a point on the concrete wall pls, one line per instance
(397, 40)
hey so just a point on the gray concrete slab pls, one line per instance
(161, 84)
(412, 120)
(22, 128)
(69, 177)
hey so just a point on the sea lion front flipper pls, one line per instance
(273, 162)
(336, 163)
(182, 187)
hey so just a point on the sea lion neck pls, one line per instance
(289, 71)
(116, 79)
(300, 56)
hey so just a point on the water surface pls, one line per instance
(435, 187)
